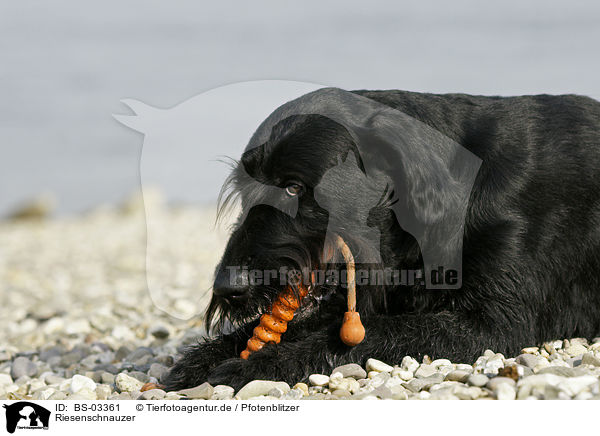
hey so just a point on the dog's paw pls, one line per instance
(186, 374)
(234, 372)
(194, 366)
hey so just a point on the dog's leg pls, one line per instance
(389, 338)
(198, 360)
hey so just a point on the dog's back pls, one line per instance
(533, 228)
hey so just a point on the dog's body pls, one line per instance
(531, 253)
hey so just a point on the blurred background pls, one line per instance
(65, 65)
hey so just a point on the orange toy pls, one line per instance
(273, 325)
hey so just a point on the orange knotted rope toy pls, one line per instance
(272, 325)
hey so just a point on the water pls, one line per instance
(65, 65)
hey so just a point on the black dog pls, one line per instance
(530, 253)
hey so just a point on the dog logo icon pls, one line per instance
(26, 415)
(349, 218)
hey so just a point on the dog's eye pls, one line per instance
(293, 189)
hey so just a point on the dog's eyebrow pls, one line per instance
(242, 188)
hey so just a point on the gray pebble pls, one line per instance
(101, 347)
(158, 371)
(138, 353)
(107, 367)
(145, 360)
(382, 392)
(127, 366)
(122, 353)
(420, 384)
(107, 378)
(159, 331)
(276, 393)
(528, 360)
(51, 379)
(90, 361)
(525, 371)
(458, 376)
(83, 349)
(561, 371)
(351, 370)
(51, 352)
(54, 362)
(140, 376)
(294, 394)
(70, 358)
(22, 366)
(97, 376)
(201, 392)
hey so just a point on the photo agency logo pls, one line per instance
(24, 415)
(397, 163)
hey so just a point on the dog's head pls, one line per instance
(333, 163)
(292, 189)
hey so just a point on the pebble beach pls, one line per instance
(77, 321)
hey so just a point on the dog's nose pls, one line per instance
(231, 283)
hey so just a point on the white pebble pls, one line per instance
(318, 379)
(5, 379)
(78, 326)
(576, 349)
(404, 375)
(440, 362)
(505, 391)
(122, 333)
(378, 365)
(425, 371)
(79, 382)
(126, 383)
(44, 394)
(409, 364)
(83, 394)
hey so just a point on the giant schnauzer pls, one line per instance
(529, 239)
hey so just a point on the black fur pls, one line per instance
(531, 257)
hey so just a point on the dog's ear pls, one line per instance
(432, 177)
